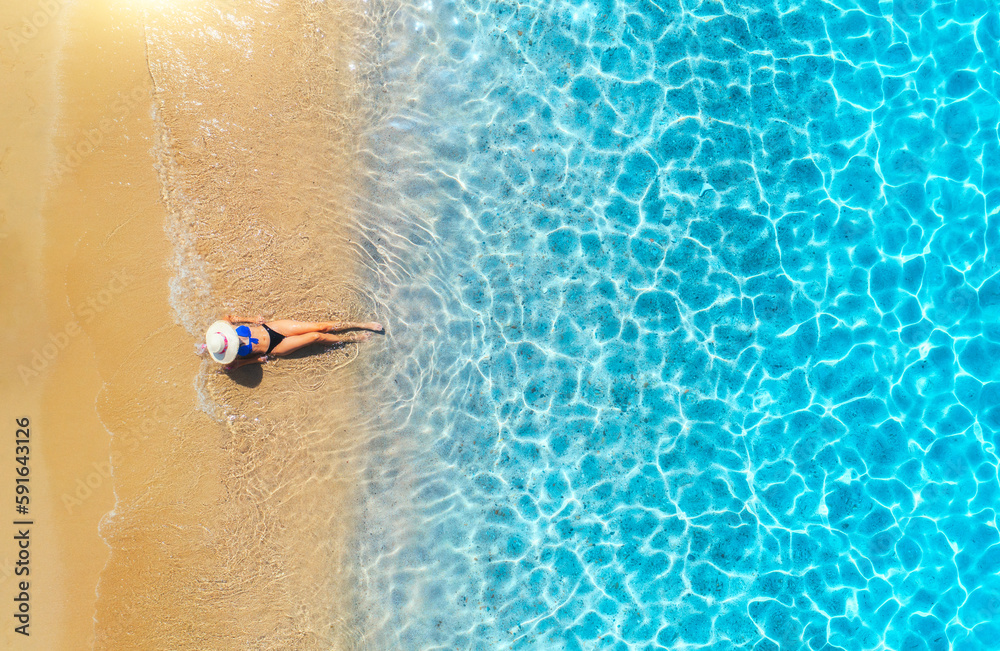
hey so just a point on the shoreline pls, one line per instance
(251, 487)
(185, 508)
(105, 223)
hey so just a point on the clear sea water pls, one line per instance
(693, 332)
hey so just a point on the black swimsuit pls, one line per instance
(276, 338)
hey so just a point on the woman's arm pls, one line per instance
(243, 361)
(232, 318)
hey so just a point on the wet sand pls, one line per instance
(191, 176)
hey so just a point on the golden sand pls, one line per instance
(228, 515)
(27, 314)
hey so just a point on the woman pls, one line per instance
(255, 342)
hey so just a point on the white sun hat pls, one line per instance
(222, 342)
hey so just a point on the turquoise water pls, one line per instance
(692, 313)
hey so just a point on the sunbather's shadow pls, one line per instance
(323, 348)
(248, 376)
(315, 350)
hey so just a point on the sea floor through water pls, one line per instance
(692, 315)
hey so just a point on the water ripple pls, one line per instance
(692, 337)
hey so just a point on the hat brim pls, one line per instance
(225, 329)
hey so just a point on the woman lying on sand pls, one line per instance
(255, 342)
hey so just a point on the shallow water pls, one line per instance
(691, 338)
(234, 491)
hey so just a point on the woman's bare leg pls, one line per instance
(293, 343)
(291, 328)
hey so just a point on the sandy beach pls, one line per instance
(177, 507)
